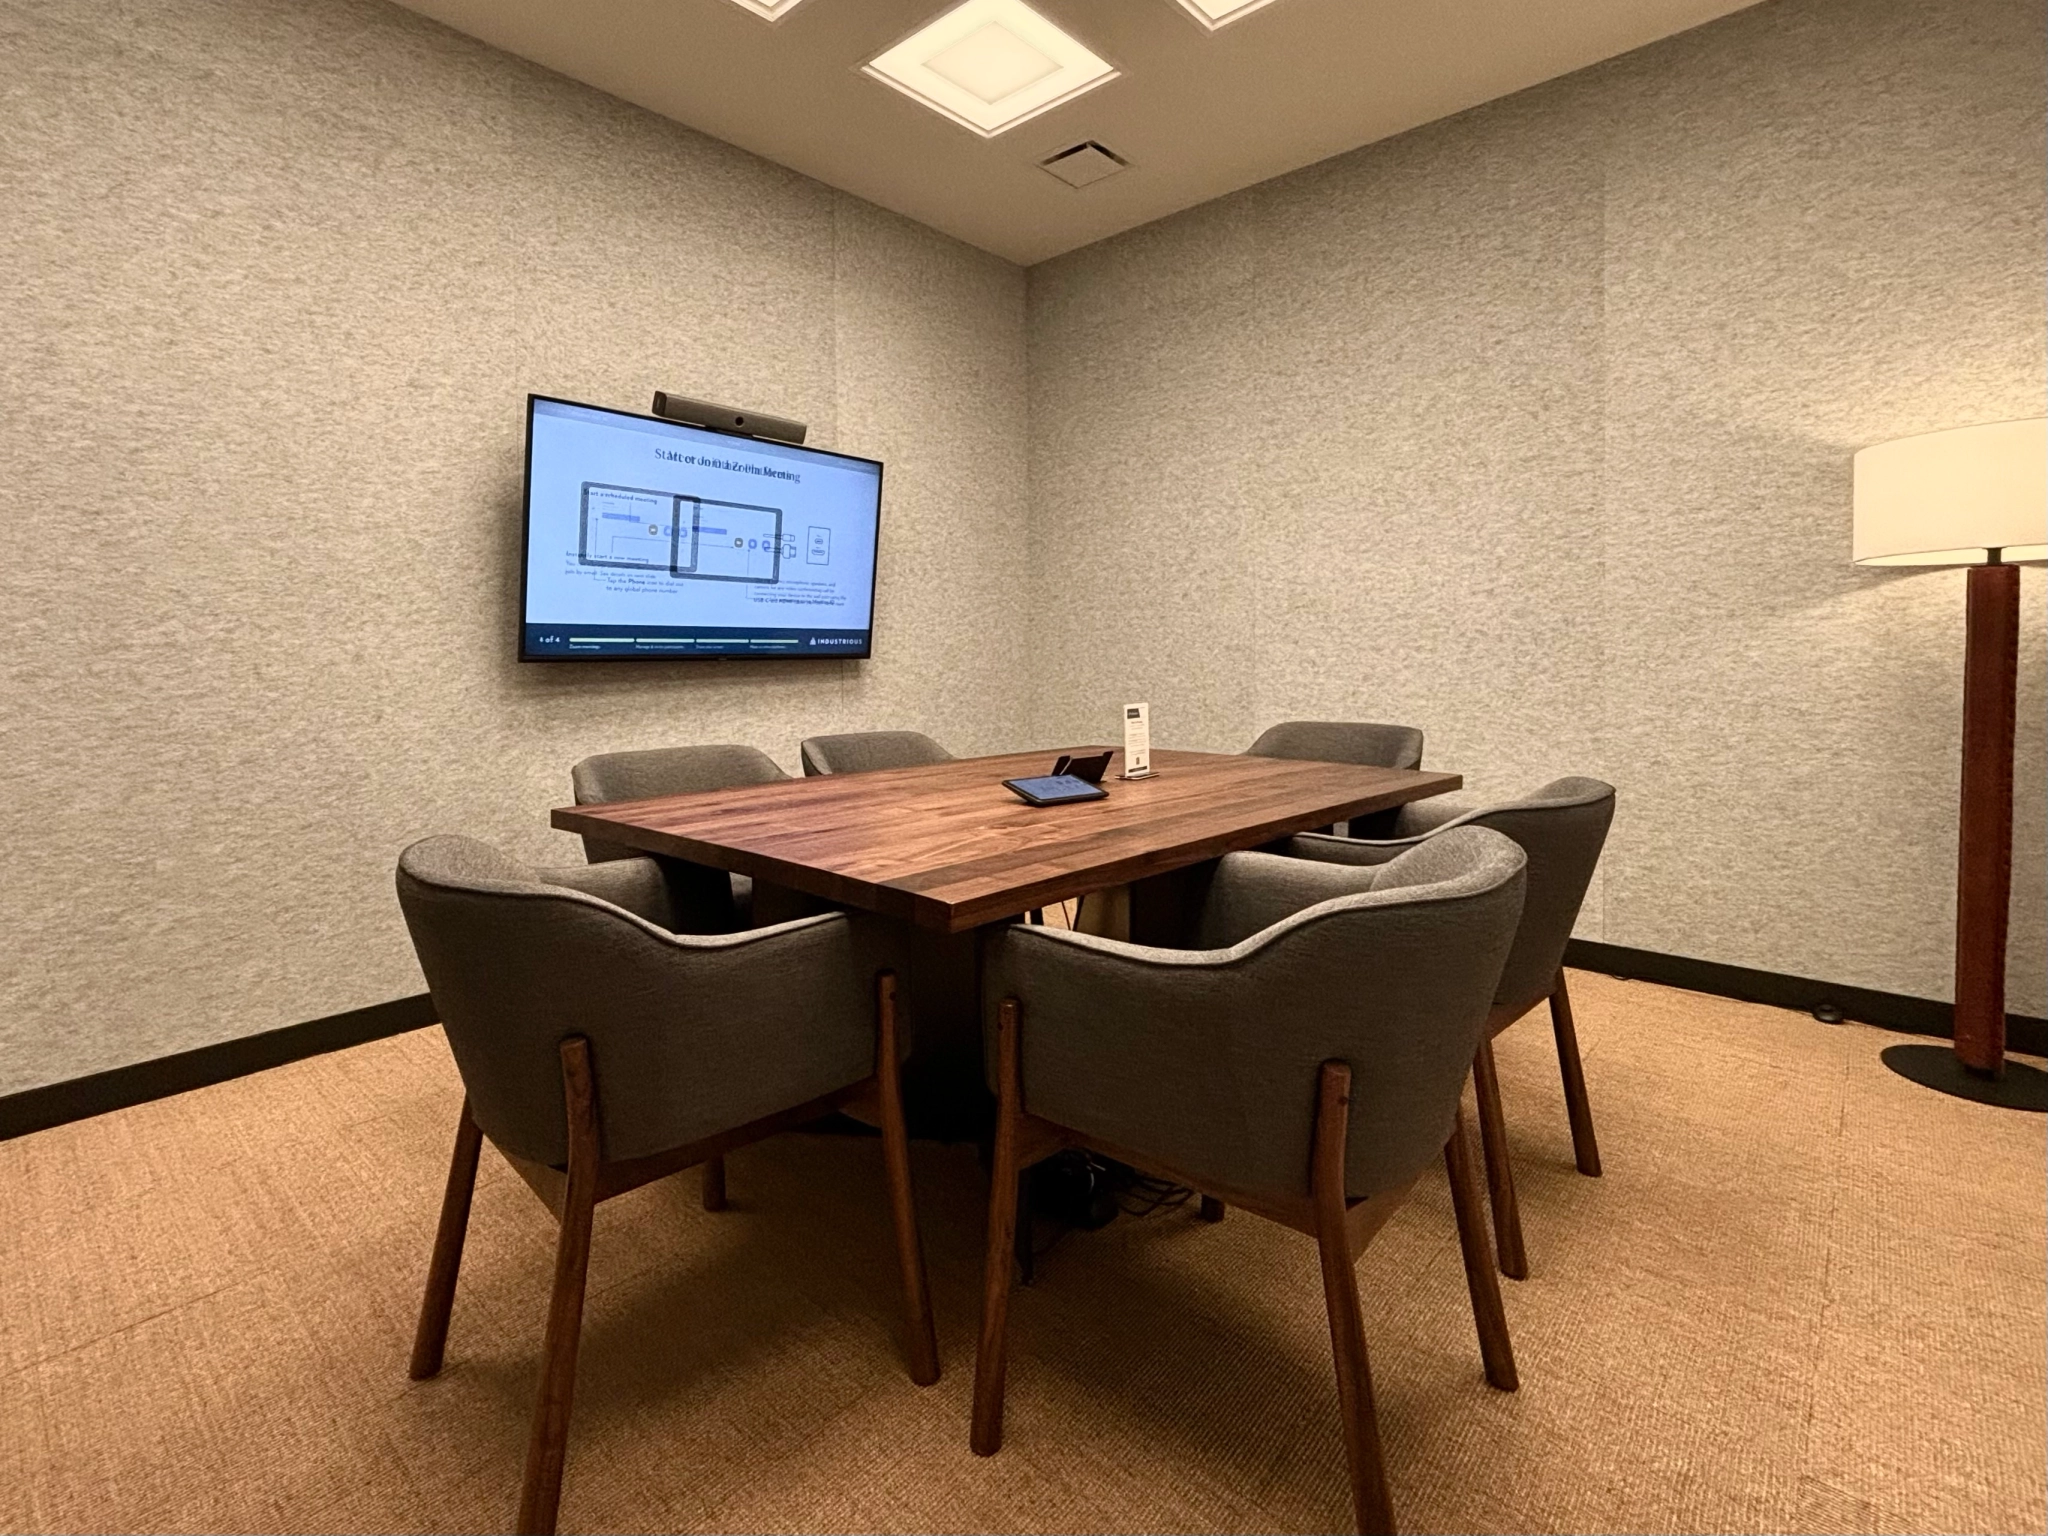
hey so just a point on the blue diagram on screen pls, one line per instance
(646, 537)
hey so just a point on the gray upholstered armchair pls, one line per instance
(1306, 1064)
(866, 751)
(599, 1051)
(1345, 741)
(1341, 741)
(706, 900)
(1562, 827)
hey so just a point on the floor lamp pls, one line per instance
(1974, 496)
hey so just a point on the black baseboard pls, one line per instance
(2024, 1034)
(37, 1109)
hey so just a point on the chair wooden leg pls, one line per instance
(1585, 1150)
(917, 1303)
(986, 1437)
(1212, 1209)
(1500, 1176)
(1026, 1239)
(1495, 1348)
(1370, 1503)
(714, 1184)
(541, 1496)
(430, 1340)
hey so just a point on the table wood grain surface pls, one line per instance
(947, 847)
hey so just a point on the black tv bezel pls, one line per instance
(526, 544)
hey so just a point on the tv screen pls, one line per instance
(647, 538)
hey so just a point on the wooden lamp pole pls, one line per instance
(1991, 665)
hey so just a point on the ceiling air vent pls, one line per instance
(1084, 164)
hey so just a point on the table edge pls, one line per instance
(889, 899)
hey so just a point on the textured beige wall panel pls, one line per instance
(1533, 428)
(279, 277)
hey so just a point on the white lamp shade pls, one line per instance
(1951, 498)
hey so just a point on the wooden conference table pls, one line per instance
(947, 850)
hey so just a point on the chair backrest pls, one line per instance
(1208, 1059)
(689, 1035)
(612, 776)
(1562, 827)
(865, 751)
(1342, 741)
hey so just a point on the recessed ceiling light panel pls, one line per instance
(769, 10)
(1220, 13)
(989, 65)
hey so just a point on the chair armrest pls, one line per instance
(637, 884)
(1414, 822)
(1254, 890)
(1419, 817)
(1411, 823)
(1325, 849)
(675, 894)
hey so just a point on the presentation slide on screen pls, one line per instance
(645, 537)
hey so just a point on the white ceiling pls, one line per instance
(1196, 113)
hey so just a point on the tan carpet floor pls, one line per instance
(1807, 1296)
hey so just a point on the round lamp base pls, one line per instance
(1935, 1066)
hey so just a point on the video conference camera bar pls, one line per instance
(723, 418)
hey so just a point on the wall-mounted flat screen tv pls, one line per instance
(646, 538)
